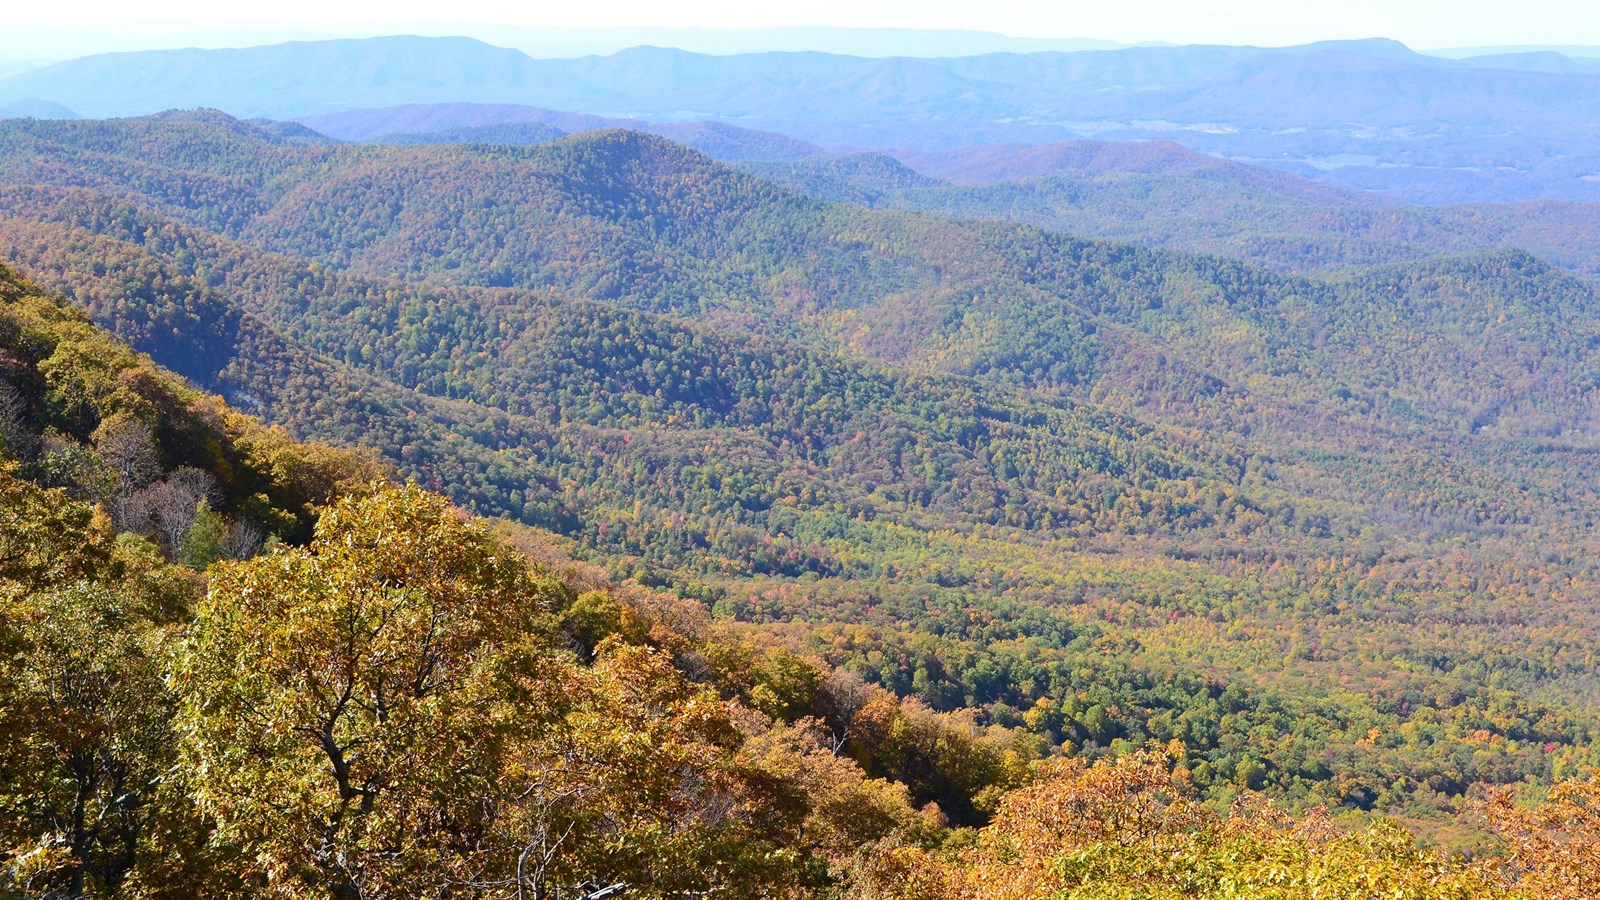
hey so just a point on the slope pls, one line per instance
(631, 220)
(780, 491)
(82, 412)
(139, 678)
(134, 609)
(1280, 505)
(1161, 195)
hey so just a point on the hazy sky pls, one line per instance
(1424, 24)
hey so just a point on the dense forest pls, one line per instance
(1158, 194)
(409, 702)
(821, 546)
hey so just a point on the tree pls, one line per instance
(1131, 830)
(45, 538)
(16, 441)
(206, 539)
(836, 809)
(392, 711)
(170, 507)
(88, 743)
(1555, 846)
(631, 778)
(841, 696)
(87, 802)
(128, 447)
(335, 701)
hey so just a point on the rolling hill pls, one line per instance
(1155, 193)
(1072, 487)
(1159, 194)
(686, 236)
(421, 673)
(142, 521)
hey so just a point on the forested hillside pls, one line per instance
(408, 702)
(202, 696)
(638, 221)
(1150, 192)
(1161, 195)
(1328, 538)
(82, 413)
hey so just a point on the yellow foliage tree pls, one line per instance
(1554, 847)
(1131, 830)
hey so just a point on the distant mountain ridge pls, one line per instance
(518, 125)
(1156, 193)
(52, 42)
(1365, 114)
(1165, 196)
(35, 109)
(988, 164)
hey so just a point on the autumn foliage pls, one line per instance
(1132, 830)
(996, 565)
(407, 706)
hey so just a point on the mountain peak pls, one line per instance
(1386, 48)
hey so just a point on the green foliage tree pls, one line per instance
(203, 544)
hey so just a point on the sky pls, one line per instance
(71, 27)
